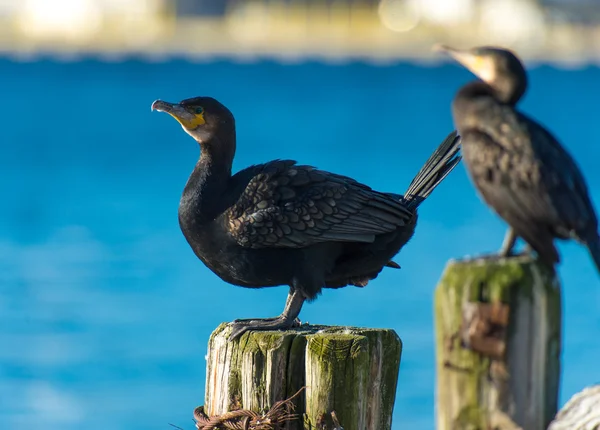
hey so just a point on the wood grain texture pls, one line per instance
(352, 371)
(505, 377)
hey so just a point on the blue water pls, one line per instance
(104, 310)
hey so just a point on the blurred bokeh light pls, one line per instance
(371, 29)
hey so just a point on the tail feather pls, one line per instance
(594, 248)
(392, 264)
(438, 166)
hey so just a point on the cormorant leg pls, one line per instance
(249, 320)
(509, 243)
(286, 320)
(527, 250)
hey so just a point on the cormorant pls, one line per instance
(520, 170)
(281, 223)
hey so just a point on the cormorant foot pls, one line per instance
(241, 321)
(507, 254)
(250, 320)
(524, 253)
(241, 326)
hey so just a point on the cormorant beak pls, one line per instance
(481, 66)
(160, 106)
(187, 119)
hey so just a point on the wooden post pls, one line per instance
(582, 412)
(497, 344)
(352, 371)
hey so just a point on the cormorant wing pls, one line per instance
(505, 181)
(564, 182)
(285, 205)
(529, 179)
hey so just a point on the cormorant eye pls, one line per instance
(199, 110)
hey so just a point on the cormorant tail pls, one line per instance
(438, 166)
(392, 264)
(594, 247)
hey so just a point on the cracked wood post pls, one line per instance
(352, 371)
(498, 343)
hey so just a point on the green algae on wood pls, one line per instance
(252, 372)
(353, 371)
(475, 391)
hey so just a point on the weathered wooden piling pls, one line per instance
(498, 341)
(352, 371)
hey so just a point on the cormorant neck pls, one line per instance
(202, 195)
(510, 88)
(216, 154)
(507, 89)
(471, 102)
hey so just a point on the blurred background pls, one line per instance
(105, 312)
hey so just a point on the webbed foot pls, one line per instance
(287, 319)
(239, 327)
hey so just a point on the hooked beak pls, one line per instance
(181, 114)
(480, 66)
(161, 106)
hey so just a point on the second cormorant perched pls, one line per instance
(280, 223)
(517, 166)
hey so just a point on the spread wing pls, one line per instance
(290, 206)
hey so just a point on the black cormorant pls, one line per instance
(517, 166)
(280, 223)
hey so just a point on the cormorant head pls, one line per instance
(200, 117)
(498, 67)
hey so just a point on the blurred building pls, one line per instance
(200, 8)
(575, 12)
(371, 29)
